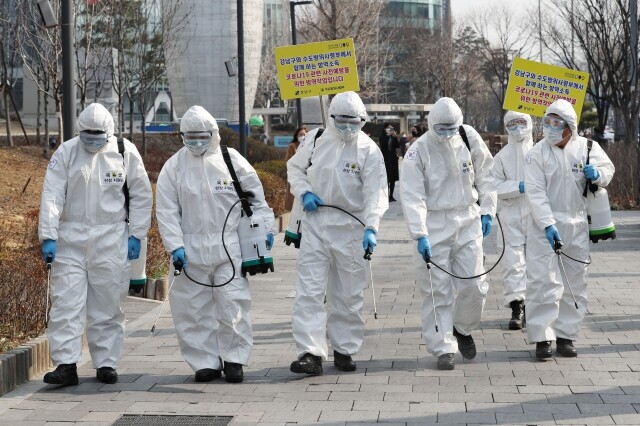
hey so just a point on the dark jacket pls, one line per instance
(389, 146)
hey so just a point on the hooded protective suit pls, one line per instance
(83, 210)
(345, 170)
(554, 181)
(440, 185)
(193, 196)
(508, 171)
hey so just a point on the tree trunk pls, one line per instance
(7, 116)
(46, 124)
(38, 123)
(131, 112)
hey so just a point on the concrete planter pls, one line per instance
(23, 363)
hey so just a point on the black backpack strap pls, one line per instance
(236, 182)
(125, 188)
(318, 134)
(590, 186)
(463, 134)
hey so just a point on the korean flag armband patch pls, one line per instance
(411, 155)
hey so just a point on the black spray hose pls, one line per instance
(429, 261)
(233, 275)
(344, 211)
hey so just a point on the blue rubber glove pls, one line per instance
(591, 172)
(369, 240)
(178, 254)
(310, 201)
(552, 235)
(269, 241)
(486, 224)
(424, 248)
(521, 187)
(49, 251)
(133, 252)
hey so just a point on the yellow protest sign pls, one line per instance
(533, 86)
(313, 69)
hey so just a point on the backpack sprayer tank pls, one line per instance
(256, 259)
(293, 233)
(601, 226)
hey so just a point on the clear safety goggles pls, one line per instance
(445, 128)
(190, 136)
(347, 119)
(518, 123)
(556, 123)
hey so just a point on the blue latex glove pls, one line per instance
(369, 240)
(486, 224)
(424, 248)
(591, 172)
(269, 241)
(521, 187)
(49, 251)
(178, 254)
(552, 235)
(310, 201)
(133, 252)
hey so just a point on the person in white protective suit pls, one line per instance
(86, 238)
(449, 199)
(194, 194)
(345, 170)
(555, 173)
(508, 171)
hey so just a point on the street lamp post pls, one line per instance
(68, 84)
(241, 95)
(292, 6)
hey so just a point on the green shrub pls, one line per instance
(275, 190)
(276, 167)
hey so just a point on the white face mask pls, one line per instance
(197, 146)
(91, 142)
(300, 139)
(552, 136)
(348, 131)
(519, 135)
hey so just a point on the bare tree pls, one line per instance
(504, 36)
(41, 52)
(8, 58)
(362, 21)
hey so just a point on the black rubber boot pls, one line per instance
(466, 345)
(543, 350)
(307, 364)
(107, 375)
(517, 315)
(445, 362)
(207, 375)
(343, 362)
(233, 372)
(64, 374)
(565, 348)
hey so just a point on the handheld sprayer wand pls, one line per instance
(367, 255)
(557, 247)
(177, 266)
(46, 312)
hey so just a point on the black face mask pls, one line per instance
(414, 133)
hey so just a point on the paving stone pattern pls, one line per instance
(396, 382)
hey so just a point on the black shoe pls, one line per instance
(565, 348)
(343, 362)
(445, 362)
(517, 315)
(64, 374)
(466, 345)
(543, 350)
(391, 198)
(107, 375)
(207, 375)
(233, 372)
(307, 364)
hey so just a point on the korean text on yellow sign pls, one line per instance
(533, 86)
(314, 69)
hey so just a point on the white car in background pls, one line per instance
(609, 135)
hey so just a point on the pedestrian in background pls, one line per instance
(298, 138)
(389, 144)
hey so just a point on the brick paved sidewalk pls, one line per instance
(396, 381)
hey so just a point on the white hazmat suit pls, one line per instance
(348, 172)
(508, 171)
(554, 181)
(83, 209)
(441, 185)
(193, 196)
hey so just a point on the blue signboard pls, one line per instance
(281, 141)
